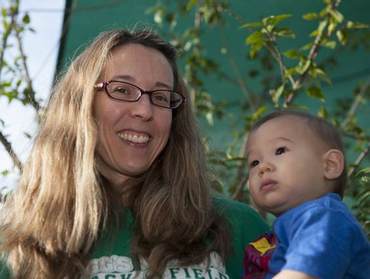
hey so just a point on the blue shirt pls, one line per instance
(322, 239)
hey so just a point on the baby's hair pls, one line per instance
(324, 130)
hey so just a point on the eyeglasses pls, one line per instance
(125, 91)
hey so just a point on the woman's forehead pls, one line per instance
(138, 61)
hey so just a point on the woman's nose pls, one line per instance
(142, 108)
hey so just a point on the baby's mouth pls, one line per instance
(267, 184)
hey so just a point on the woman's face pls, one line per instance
(132, 134)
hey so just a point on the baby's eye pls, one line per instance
(254, 163)
(280, 150)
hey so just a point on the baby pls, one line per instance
(297, 173)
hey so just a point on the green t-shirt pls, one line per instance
(111, 256)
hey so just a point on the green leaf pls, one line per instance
(276, 94)
(14, 9)
(274, 20)
(331, 28)
(356, 25)
(292, 54)
(11, 95)
(4, 12)
(323, 113)
(336, 15)
(303, 66)
(5, 84)
(314, 33)
(255, 38)
(26, 19)
(190, 4)
(6, 26)
(4, 172)
(316, 92)
(290, 72)
(252, 25)
(254, 50)
(330, 44)
(158, 16)
(261, 110)
(316, 72)
(342, 36)
(363, 171)
(209, 117)
(366, 196)
(365, 180)
(284, 32)
(306, 46)
(310, 16)
(256, 42)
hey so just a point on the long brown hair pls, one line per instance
(54, 217)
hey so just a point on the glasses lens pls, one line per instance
(176, 100)
(123, 91)
(167, 99)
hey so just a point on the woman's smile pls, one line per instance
(133, 137)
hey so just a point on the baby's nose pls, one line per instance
(265, 167)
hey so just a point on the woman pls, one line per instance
(116, 183)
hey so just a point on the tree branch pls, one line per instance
(355, 104)
(5, 38)
(240, 177)
(30, 92)
(241, 83)
(276, 54)
(359, 159)
(310, 58)
(9, 149)
(13, 10)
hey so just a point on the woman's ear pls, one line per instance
(333, 161)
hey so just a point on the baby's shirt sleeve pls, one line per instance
(322, 242)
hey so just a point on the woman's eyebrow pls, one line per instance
(162, 84)
(124, 77)
(132, 79)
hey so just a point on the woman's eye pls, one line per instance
(121, 90)
(254, 163)
(280, 150)
(161, 98)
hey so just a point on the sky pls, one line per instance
(41, 49)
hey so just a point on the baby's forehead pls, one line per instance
(290, 127)
(287, 124)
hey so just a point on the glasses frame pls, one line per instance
(104, 84)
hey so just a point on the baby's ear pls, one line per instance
(333, 161)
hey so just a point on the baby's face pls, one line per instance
(286, 166)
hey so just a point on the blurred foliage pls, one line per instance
(282, 74)
(361, 195)
(15, 81)
(285, 74)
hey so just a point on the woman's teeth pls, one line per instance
(134, 138)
